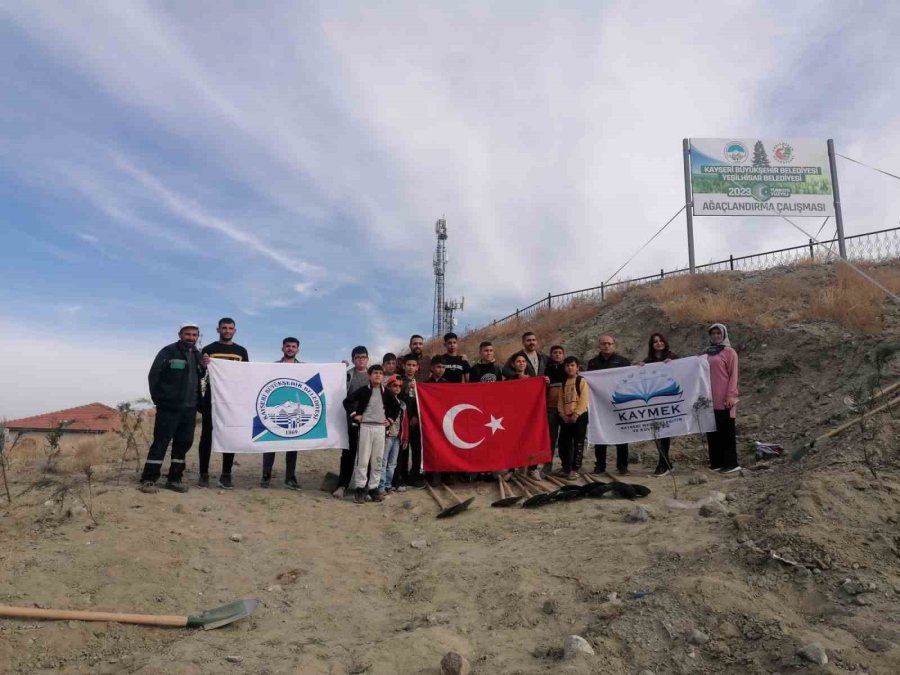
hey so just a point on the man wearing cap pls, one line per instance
(175, 390)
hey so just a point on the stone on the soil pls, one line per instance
(611, 609)
(697, 479)
(550, 607)
(877, 645)
(853, 587)
(743, 520)
(862, 601)
(418, 543)
(234, 659)
(275, 588)
(712, 509)
(237, 537)
(575, 645)
(455, 664)
(637, 515)
(803, 571)
(697, 637)
(814, 653)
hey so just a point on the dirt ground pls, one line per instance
(343, 589)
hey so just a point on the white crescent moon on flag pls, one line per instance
(450, 432)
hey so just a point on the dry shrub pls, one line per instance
(687, 284)
(87, 454)
(547, 324)
(853, 301)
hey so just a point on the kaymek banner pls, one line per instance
(273, 407)
(484, 426)
(658, 400)
(760, 177)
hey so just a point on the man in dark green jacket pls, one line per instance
(175, 389)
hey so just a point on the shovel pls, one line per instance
(212, 618)
(566, 491)
(505, 500)
(446, 511)
(593, 488)
(532, 501)
(463, 505)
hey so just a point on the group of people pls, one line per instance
(385, 446)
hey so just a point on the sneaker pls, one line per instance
(376, 495)
(225, 482)
(729, 469)
(149, 487)
(359, 496)
(339, 493)
(400, 488)
(291, 483)
(418, 484)
(266, 481)
(536, 474)
(204, 480)
(176, 486)
(599, 469)
(623, 472)
(661, 471)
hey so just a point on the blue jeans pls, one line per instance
(391, 450)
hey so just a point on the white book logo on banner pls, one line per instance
(649, 395)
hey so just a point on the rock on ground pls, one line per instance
(814, 653)
(455, 664)
(575, 645)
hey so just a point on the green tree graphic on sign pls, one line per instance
(760, 158)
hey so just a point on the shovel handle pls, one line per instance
(522, 487)
(434, 496)
(453, 494)
(500, 485)
(77, 615)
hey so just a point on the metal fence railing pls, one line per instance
(870, 246)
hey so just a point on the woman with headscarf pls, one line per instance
(658, 352)
(723, 378)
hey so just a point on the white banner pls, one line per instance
(273, 407)
(632, 404)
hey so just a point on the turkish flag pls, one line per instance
(483, 426)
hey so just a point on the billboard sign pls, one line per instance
(760, 177)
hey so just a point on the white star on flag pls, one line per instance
(495, 424)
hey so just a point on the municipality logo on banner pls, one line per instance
(269, 407)
(657, 400)
(289, 408)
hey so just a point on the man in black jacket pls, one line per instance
(535, 361)
(608, 358)
(175, 389)
(373, 409)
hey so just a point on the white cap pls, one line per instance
(188, 324)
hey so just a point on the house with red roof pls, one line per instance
(93, 418)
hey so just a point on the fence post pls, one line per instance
(731, 261)
(602, 294)
(517, 313)
(662, 274)
(812, 253)
(549, 301)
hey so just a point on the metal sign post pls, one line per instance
(838, 218)
(689, 202)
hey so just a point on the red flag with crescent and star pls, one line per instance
(483, 426)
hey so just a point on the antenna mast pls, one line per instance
(442, 316)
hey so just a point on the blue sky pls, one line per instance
(284, 163)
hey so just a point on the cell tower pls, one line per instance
(442, 316)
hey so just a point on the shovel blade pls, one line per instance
(224, 615)
(507, 501)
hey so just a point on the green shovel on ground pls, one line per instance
(212, 618)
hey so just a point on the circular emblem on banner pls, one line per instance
(783, 153)
(735, 152)
(288, 408)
